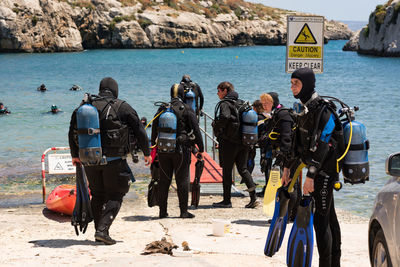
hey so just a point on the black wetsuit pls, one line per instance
(231, 149)
(177, 162)
(317, 148)
(198, 95)
(109, 183)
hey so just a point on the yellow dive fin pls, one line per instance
(274, 183)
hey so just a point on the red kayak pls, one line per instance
(62, 199)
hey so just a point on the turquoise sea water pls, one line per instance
(145, 76)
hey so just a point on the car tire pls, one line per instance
(380, 253)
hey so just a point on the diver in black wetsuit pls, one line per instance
(110, 182)
(177, 161)
(187, 84)
(316, 146)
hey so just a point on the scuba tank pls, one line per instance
(167, 125)
(355, 164)
(249, 128)
(87, 119)
(190, 99)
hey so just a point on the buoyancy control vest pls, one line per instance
(272, 133)
(243, 125)
(114, 132)
(355, 165)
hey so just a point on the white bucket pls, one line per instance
(221, 227)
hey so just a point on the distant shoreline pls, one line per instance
(355, 25)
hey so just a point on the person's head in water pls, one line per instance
(108, 86)
(143, 120)
(224, 88)
(303, 84)
(1, 105)
(186, 78)
(42, 87)
(54, 109)
(177, 91)
(257, 106)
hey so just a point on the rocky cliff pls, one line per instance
(74, 25)
(381, 37)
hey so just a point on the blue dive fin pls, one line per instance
(278, 224)
(301, 239)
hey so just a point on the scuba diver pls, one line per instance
(143, 120)
(189, 85)
(231, 148)
(54, 109)
(75, 88)
(3, 109)
(107, 171)
(42, 88)
(276, 143)
(175, 131)
(317, 145)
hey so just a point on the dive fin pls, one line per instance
(301, 239)
(274, 182)
(278, 224)
(82, 213)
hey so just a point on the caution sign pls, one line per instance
(305, 36)
(61, 164)
(305, 43)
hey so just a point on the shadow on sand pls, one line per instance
(55, 216)
(261, 223)
(63, 243)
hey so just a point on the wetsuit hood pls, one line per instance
(275, 98)
(232, 95)
(307, 77)
(108, 86)
(186, 78)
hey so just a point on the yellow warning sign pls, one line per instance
(297, 51)
(305, 36)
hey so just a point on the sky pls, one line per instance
(354, 10)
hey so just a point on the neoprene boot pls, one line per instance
(325, 262)
(97, 207)
(110, 211)
(163, 212)
(253, 200)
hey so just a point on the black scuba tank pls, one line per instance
(355, 164)
(87, 118)
(167, 126)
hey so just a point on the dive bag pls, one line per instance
(167, 126)
(87, 119)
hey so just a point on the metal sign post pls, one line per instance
(305, 43)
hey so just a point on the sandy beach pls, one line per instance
(32, 235)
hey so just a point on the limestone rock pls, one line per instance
(54, 26)
(381, 37)
(352, 44)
